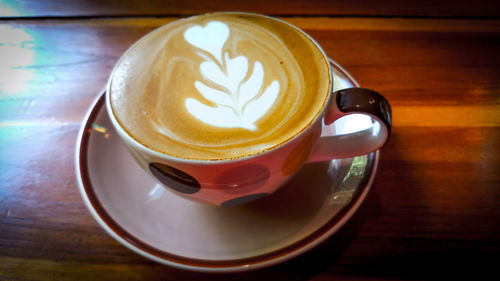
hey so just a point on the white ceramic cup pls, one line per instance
(232, 182)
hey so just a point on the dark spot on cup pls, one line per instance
(243, 179)
(243, 199)
(299, 155)
(175, 178)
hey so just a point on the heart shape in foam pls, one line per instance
(210, 38)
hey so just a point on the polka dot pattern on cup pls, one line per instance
(243, 179)
(175, 178)
(298, 156)
(243, 199)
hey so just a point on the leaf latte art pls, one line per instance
(219, 86)
(238, 104)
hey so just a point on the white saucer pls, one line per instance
(153, 222)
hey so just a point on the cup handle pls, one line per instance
(350, 101)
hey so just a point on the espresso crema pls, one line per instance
(219, 86)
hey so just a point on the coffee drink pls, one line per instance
(219, 86)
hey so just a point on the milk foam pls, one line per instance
(219, 86)
(238, 104)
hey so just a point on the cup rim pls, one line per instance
(125, 134)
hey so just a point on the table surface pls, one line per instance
(433, 212)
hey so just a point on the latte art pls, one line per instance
(239, 103)
(219, 86)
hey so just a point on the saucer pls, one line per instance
(157, 224)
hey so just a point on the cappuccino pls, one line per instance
(219, 86)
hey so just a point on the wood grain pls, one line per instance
(426, 8)
(433, 212)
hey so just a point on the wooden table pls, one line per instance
(434, 210)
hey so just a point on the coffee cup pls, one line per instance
(224, 108)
